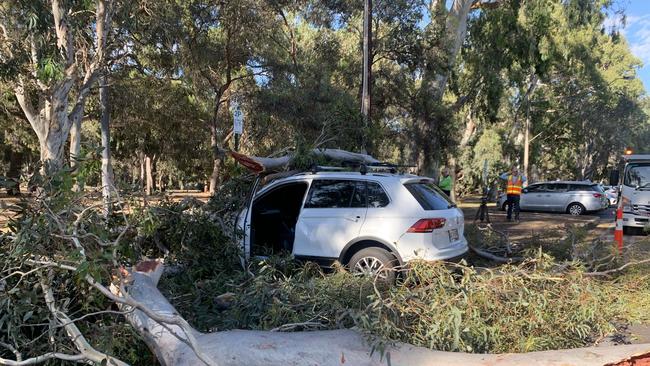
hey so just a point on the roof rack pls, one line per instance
(361, 168)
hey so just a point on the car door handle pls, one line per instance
(353, 218)
(548, 195)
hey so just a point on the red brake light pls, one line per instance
(426, 225)
(597, 195)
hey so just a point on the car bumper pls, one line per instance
(596, 206)
(632, 220)
(431, 253)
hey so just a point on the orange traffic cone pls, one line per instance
(618, 232)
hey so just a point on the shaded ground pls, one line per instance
(530, 224)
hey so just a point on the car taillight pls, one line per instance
(427, 225)
(597, 195)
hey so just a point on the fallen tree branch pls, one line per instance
(493, 257)
(329, 347)
(616, 270)
(80, 342)
(261, 165)
(43, 358)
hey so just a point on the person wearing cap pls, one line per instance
(515, 183)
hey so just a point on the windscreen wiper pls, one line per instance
(645, 185)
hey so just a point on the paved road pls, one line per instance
(607, 214)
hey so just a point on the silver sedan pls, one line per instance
(573, 197)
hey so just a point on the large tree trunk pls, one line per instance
(107, 169)
(58, 108)
(366, 83)
(334, 347)
(147, 167)
(427, 150)
(268, 165)
(75, 143)
(143, 184)
(216, 160)
(456, 31)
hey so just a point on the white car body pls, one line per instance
(634, 191)
(327, 234)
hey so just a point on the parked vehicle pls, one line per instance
(612, 194)
(634, 190)
(367, 222)
(573, 197)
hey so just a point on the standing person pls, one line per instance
(445, 182)
(515, 183)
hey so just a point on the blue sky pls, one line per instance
(637, 32)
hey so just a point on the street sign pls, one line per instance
(238, 120)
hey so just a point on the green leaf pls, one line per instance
(27, 316)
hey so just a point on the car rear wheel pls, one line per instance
(576, 209)
(375, 262)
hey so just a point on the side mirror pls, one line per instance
(525, 190)
(613, 177)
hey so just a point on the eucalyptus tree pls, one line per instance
(52, 54)
(210, 45)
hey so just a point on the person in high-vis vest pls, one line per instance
(445, 182)
(514, 185)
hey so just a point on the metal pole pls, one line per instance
(367, 68)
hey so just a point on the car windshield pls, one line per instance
(637, 175)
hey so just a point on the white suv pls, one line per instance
(367, 221)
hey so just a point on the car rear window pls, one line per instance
(429, 196)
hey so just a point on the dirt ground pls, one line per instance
(531, 223)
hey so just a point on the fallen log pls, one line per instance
(258, 164)
(327, 347)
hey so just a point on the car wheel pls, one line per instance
(576, 209)
(375, 262)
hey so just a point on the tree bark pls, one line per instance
(456, 28)
(75, 143)
(147, 167)
(526, 145)
(332, 347)
(266, 165)
(143, 183)
(107, 169)
(216, 159)
(58, 111)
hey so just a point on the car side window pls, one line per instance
(533, 188)
(325, 193)
(359, 195)
(580, 188)
(377, 197)
(558, 187)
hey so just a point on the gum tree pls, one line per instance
(52, 54)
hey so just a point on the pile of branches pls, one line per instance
(65, 279)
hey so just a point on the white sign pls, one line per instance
(238, 120)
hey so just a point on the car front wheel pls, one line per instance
(375, 262)
(576, 209)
